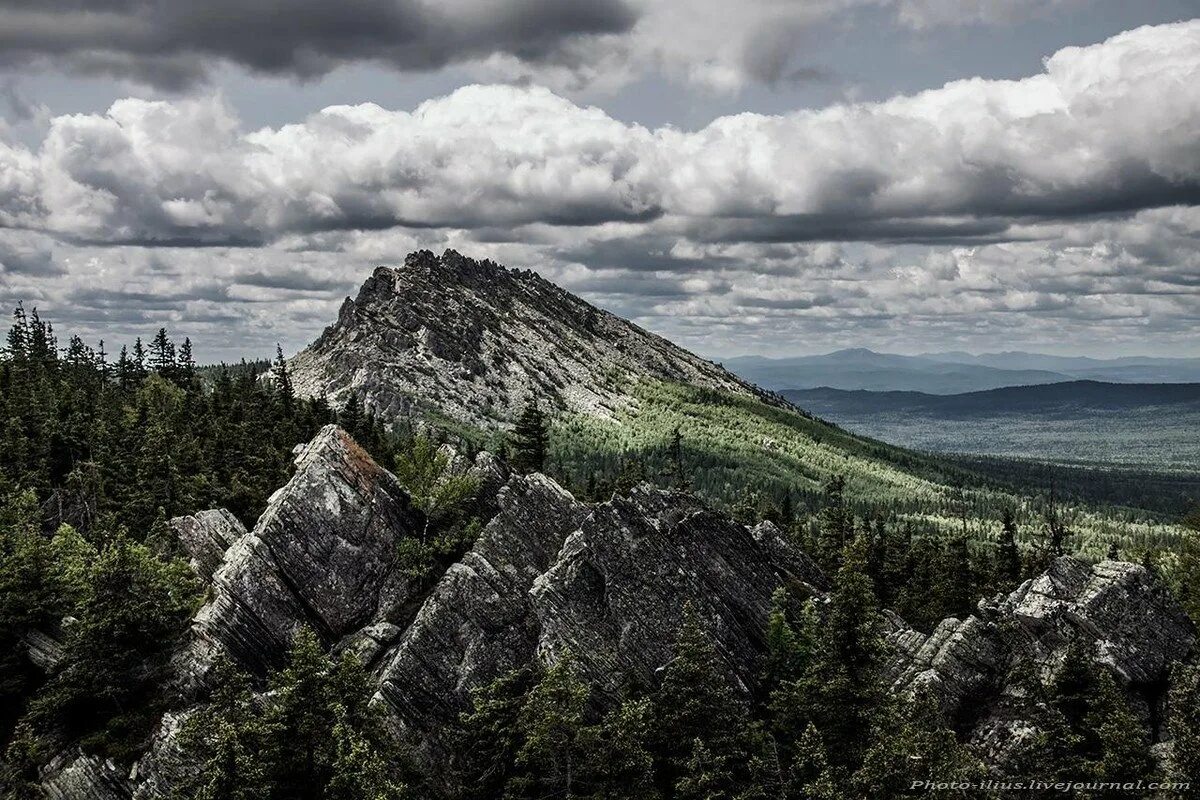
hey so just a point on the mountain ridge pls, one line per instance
(450, 327)
(954, 372)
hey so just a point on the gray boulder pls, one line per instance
(1135, 626)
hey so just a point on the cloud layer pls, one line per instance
(1064, 202)
(1105, 129)
(171, 44)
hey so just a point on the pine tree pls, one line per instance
(283, 382)
(956, 580)
(224, 740)
(836, 522)
(530, 440)
(139, 358)
(1183, 726)
(185, 364)
(620, 764)
(677, 472)
(841, 688)
(551, 726)
(134, 605)
(700, 714)
(162, 355)
(1187, 569)
(912, 743)
(486, 748)
(351, 417)
(1009, 560)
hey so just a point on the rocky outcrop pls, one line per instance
(475, 340)
(323, 555)
(610, 583)
(478, 623)
(72, 775)
(205, 537)
(1134, 625)
(616, 594)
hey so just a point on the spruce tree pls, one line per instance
(911, 743)
(283, 380)
(530, 439)
(701, 717)
(162, 355)
(1008, 566)
(551, 729)
(486, 747)
(620, 764)
(842, 686)
(836, 523)
(1183, 727)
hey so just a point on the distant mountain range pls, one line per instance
(1154, 426)
(953, 372)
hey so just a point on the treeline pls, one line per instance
(125, 441)
(1168, 494)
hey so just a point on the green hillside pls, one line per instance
(742, 452)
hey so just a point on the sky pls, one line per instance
(771, 176)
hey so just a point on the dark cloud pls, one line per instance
(29, 257)
(172, 44)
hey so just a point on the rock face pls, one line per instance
(475, 340)
(478, 623)
(1136, 627)
(616, 594)
(74, 776)
(206, 536)
(322, 555)
(608, 582)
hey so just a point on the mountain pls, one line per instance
(1126, 369)
(465, 344)
(954, 372)
(409, 614)
(474, 341)
(867, 370)
(602, 587)
(1052, 399)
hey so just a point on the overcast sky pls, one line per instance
(765, 176)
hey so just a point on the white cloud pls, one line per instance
(1108, 128)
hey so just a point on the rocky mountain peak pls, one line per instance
(474, 340)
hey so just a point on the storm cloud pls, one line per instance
(173, 44)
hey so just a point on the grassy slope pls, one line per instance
(735, 442)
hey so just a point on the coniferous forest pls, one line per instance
(101, 450)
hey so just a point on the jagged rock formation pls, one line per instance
(1137, 629)
(72, 775)
(323, 555)
(474, 340)
(205, 537)
(478, 623)
(609, 582)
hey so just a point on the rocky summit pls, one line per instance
(608, 582)
(473, 340)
